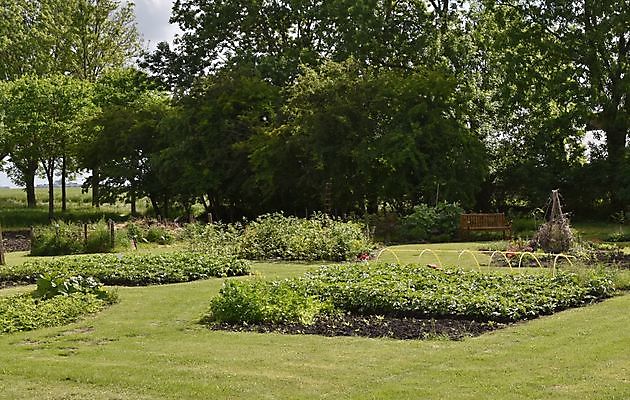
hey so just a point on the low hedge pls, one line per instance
(131, 269)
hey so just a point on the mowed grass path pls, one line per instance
(149, 346)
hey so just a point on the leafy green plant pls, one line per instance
(266, 301)
(218, 240)
(50, 285)
(159, 235)
(58, 238)
(61, 238)
(24, 312)
(426, 223)
(289, 238)
(410, 291)
(618, 237)
(98, 239)
(147, 231)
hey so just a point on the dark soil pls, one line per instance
(9, 284)
(374, 327)
(613, 258)
(16, 241)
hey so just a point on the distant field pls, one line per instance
(15, 215)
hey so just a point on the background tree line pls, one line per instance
(343, 106)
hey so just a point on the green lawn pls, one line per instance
(149, 346)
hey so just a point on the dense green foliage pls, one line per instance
(53, 47)
(153, 233)
(275, 236)
(131, 269)
(425, 223)
(411, 290)
(290, 238)
(264, 301)
(51, 285)
(363, 106)
(58, 300)
(24, 312)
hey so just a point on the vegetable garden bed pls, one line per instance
(401, 301)
(130, 269)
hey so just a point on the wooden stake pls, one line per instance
(112, 237)
(2, 260)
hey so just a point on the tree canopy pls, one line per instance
(347, 106)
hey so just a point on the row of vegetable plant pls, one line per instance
(58, 300)
(408, 291)
(131, 269)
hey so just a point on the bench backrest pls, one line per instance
(472, 221)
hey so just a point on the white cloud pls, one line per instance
(152, 17)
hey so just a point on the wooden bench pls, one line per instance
(484, 222)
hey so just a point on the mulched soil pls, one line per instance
(16, 241)
(374, 327)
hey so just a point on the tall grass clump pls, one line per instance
(58, 238)
(61, 238)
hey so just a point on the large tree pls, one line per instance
(278, 36)
(80, 38)
(570, 60)
(209, 137)
(368, 138)
(40, 117)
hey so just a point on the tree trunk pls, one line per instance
(50, 175)
(132, 200)
(64, 167)
(165, 206)
(156, 207)
(96, 181)
(616, 147)
(31, 200)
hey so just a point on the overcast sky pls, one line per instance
(152, 17)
